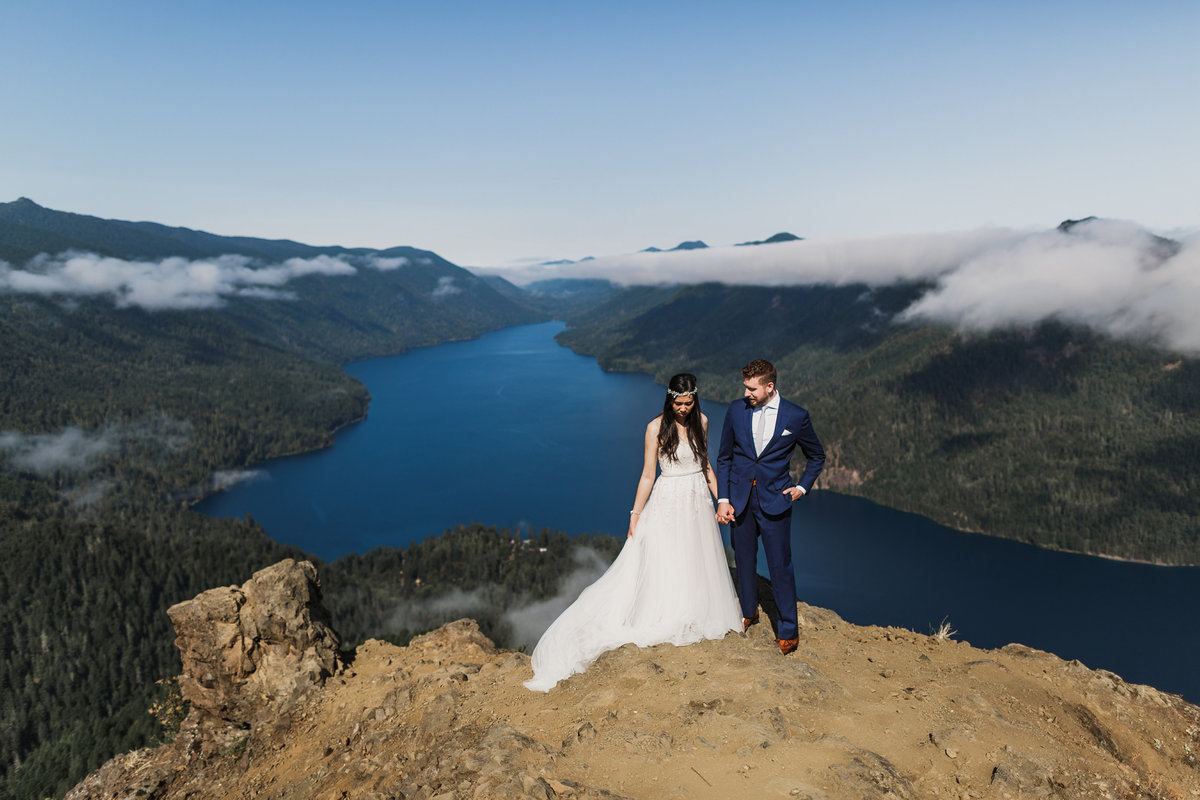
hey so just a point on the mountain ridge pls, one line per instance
(776, 239)
(128, 239)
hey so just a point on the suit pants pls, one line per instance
(776, 534)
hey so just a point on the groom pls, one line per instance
(755, 491)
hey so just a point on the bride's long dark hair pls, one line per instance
(668, 434)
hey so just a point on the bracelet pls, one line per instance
(635, 513)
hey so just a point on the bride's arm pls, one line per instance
(646, 482)
(710, 477)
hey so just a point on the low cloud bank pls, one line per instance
(417, 615)
(219, 481)
(225, 478)
(389, 264)
(529, 622)
(1111, 275)
(173, 283)
(70, 450)
(874, 260)
(445, 287)
(77, 454)
(89, 494)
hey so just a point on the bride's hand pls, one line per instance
(633, 521)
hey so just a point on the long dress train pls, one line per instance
(670, 582)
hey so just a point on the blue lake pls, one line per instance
(516, 431)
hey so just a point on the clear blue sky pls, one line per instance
(492, 132)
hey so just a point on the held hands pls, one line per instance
(726, 514)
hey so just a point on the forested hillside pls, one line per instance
(87, 636)
(1051, 434)
(122, 398)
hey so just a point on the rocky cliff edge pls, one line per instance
(856, 712)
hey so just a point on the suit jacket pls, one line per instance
(738, 466)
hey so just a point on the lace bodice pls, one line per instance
(687, 464)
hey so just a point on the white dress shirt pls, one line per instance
(770, 412)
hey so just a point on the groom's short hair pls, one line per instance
(758, 368)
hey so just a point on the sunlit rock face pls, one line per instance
(255, 648)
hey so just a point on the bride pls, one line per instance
(671, 582)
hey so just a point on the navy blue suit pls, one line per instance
(754, 486)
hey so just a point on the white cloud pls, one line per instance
(1113, 276)
(529, 622)
(224, 478)
(173, 283)
(75, 450)
(89, 494)
(445, 287)
(415, 615)
(264, 293)
(70, 450)
(874, 260)
(386, 264)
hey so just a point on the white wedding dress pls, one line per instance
(670, 582)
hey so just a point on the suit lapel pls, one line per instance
(780, 427)
(747, 417)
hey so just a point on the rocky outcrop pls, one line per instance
(250, 654)
(253, 650)
(855, 712)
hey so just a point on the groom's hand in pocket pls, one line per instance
(794, 492)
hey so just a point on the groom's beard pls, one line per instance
(765, 400)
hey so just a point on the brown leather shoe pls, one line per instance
(746, 623)
(787, 645)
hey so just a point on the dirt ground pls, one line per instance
(855, 712)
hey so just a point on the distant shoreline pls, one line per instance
(204, 494)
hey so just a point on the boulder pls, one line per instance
(258, 646)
